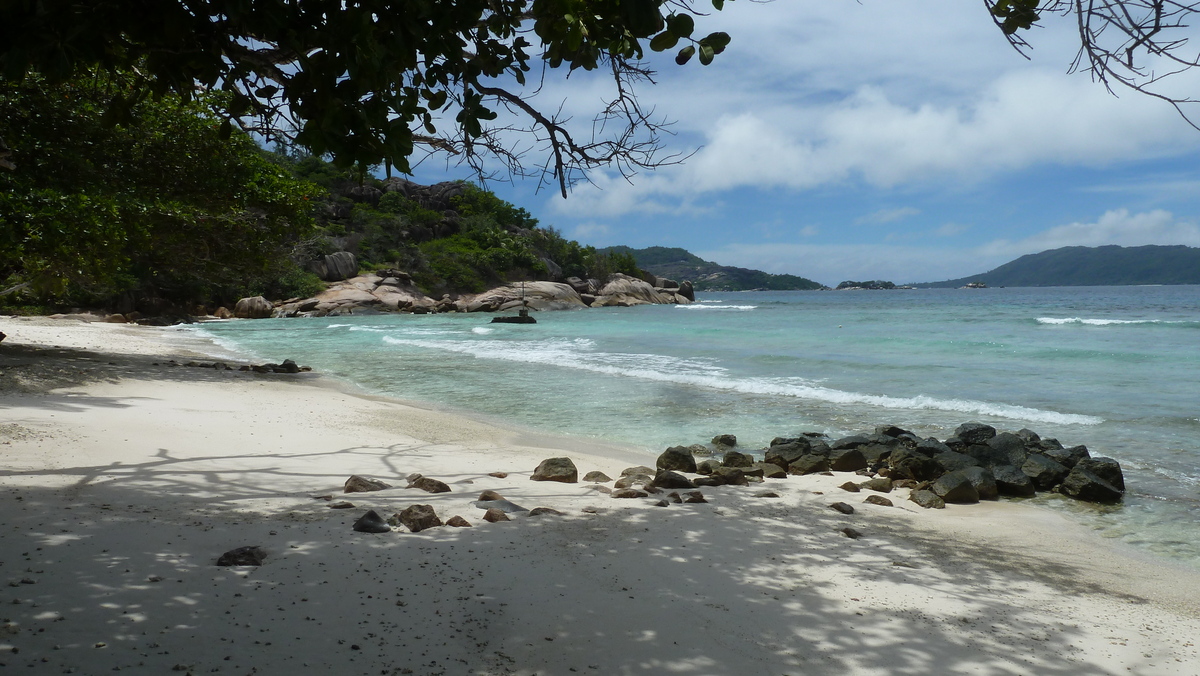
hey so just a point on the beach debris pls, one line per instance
(494, 515)
(243, 556)
(694, 497)
(371, 522)
(427, 484)
(490, 495)
(850, 486)
(842, 507)
(878, 500)
(676, 458)
(502, 505)
(669, 479)
(879, 484)
(556, 469)
(417, 518)
(629, 493)
(361, 484)
(851, 533)
(341, 504)
(498, 475)
(540, 511)
(457, 521)
(726, 440)
(927, 499)
(596, 476)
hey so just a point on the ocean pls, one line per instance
(1114, 368)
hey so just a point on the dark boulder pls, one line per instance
(429, 485)
(1030, 437)
(878, 500)
(984, 482)
(1011, 447)
(1044, 472)
(243, 556)
(879, 484)
(771, 470)
(1083, 484)
(955, 487)
(371, 522)
(556, 469)
(931, 447)
(419, 517)
(668, 479)
(986, 456)
(809, 464)
(951, 461)
(458, 522)
(686, 290)
(848, 459)
(736, 459)
(495, 516)
(842, 507)
(1012, 481)
(708, 466)
(726, 440)
(628, 493)
(975, 433)
(732, 476)
(892, 431)
(630, 480)
(1105, 468)
(678, 459)
(709, 481)
(913, 464)
(853, 441)
(787, 453)
(1067, 457)
(1049, 444)
(850, 486)
(875, 452)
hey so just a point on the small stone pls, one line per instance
(842, 507)
(880, 484)
(726, 440)
(927, 499)
(490, 495)
(850, 486)
(879, 500)
(341, 504)
(538, 511)
(498, 475)
(596, 476)
(418, 518)
(766, 494)
(674, 497)
(629, 493)
(429, 485)
(663, 503)
(457, 521)
(851, 533)
(556, 469)
(361, 484)
(694, 497)
(371, 522)
(494, 515)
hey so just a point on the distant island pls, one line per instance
(1091, 266)
(873, 285)
(676, 263)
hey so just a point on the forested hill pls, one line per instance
(676, 263)
(1093, 266)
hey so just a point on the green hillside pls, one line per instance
(680, 264)
(1093, 266)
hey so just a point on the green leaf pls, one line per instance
(706, 54)
(681, 25)
(685, 54)
(719, 41)
(718, 4)
(664, 41)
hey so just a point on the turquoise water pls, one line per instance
(1115, 368)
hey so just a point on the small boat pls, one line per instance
(522, 314)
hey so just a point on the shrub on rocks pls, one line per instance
(678, 459)
(556, 469)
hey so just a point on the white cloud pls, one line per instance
(1118, 227)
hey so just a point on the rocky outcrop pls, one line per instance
(677, 458)
(335, 267)
(623, 291)
(537, 296)
(256, 307)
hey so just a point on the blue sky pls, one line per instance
(906, 141)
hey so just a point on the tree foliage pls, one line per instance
(371, 81)
(160, 204)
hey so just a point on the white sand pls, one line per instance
(120, 488)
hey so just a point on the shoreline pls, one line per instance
(132, 480)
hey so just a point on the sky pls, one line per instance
(874, 139)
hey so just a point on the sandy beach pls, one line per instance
(123, 478)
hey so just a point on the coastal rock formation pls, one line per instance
(256, 307)
(623, 291)
(537, 296)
